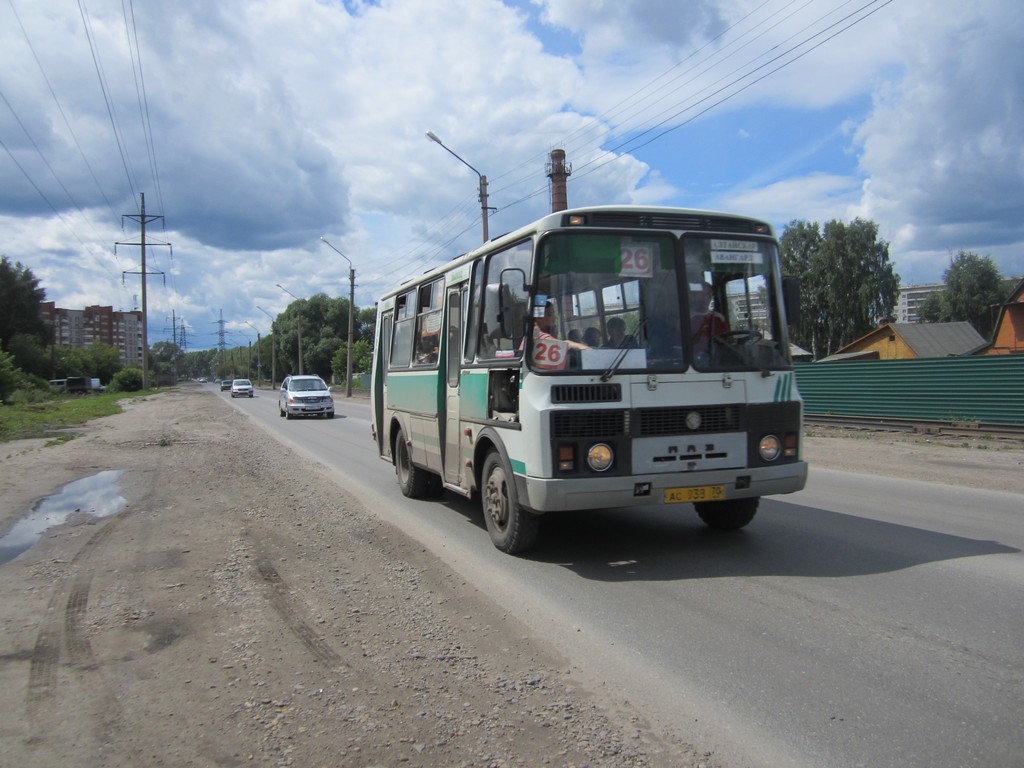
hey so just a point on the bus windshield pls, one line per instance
(604, 303)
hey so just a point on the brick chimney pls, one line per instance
(558, 171)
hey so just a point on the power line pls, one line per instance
(111, 111)
(60, 108)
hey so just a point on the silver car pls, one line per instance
(305, 396)
(241, 388)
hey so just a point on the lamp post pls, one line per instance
(273, 347)
(248, 362)
(259, 363)
(483, 180)
(298, 323)
(351, 304)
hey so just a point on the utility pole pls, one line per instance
(273, 346)
(143, 220)
(221, 345)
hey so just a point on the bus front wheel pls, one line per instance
(727, 515)
(512, 529)
(411, 479)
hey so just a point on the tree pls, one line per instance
(362, 357)
(20, 296)
(974, 290)
(8, 376)
(31, 356)
(105, 361)
(846, 278)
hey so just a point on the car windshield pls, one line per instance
(605, 302)
(307, 385)
(243, 382)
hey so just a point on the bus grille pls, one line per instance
(569, 424)
(656, 422)
(586, 393)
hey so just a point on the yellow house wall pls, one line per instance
(896, 349)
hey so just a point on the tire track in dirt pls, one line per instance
(283, 602)
(65, 624)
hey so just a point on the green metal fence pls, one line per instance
(984, 389)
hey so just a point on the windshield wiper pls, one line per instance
(623, 350)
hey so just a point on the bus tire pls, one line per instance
(512, 529)
(727, 515)
(411, 479)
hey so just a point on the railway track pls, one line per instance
(966, 429)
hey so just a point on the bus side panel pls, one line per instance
(415, 393)
(473, 394)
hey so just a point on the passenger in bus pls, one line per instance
(426, 352)
(705, 322)
(616, 328)
(592, 337)
(544, 324)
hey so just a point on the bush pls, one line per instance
(31, 389)
(127, 380)
(8, 376)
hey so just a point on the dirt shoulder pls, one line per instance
(972, 462)
(244, 609)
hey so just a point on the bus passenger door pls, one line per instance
(379, 387)
(452, 457)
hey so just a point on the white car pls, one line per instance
(305, 396)
(241, 388)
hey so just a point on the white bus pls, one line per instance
(599, 357)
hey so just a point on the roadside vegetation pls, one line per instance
(44, 418)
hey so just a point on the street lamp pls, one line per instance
(259, 364)
(248, 362)
(273, 347)
(298, 322)
(483, 180)
(351, 303)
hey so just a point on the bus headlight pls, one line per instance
(599, 457)
(770, 447)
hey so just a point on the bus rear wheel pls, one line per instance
(411, 479)
(727, 515)
(512, 529)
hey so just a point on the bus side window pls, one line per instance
(405, 320)
(494, 343)
(474, 329)
(428, 324)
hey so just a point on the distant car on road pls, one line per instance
(241, 388)
(225, 384)
(305, 396)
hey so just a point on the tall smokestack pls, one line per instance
(558, 172)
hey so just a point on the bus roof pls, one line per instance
(605, 217)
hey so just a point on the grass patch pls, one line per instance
(19, 422)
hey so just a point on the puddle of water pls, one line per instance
(95, 496)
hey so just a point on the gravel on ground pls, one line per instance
(245, 609)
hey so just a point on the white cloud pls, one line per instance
(944, 145)
(277, 121)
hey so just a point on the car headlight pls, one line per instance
(600, 457)
(770, 447)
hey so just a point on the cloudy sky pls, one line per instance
(254, 127)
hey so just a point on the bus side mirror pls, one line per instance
(791, 299)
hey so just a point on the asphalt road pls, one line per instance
(864, 621)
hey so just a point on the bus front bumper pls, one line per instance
(554, 495)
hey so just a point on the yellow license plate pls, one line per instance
(697, 493)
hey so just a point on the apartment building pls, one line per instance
(96, 324)
(911, 297)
